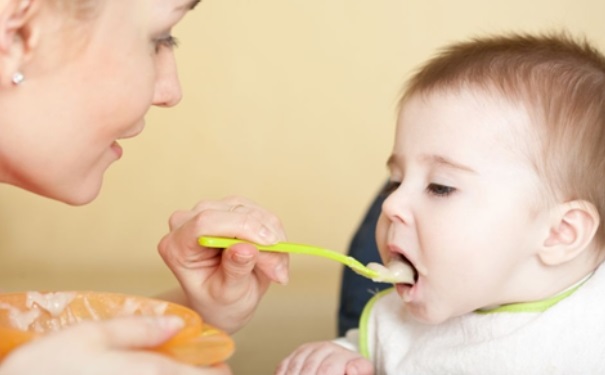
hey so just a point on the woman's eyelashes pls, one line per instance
(167, 41)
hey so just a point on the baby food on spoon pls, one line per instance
(396, 271)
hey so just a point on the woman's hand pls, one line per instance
(224, 286)
(324, 357)
(98, 348)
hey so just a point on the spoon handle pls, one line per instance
(289, 247)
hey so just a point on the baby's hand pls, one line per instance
(97, 348)
(224, 286)
(324, 358)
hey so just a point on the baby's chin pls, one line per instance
(431, 315)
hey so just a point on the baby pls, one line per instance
(495, 200)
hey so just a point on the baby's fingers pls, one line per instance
(320, 358)
(359, 366)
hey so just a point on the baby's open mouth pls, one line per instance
(399, 270)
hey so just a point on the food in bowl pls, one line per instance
(26, 316)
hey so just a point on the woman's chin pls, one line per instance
(80, 196)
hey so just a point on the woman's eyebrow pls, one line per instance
(190, 5)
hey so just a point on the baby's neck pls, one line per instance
(536, 306)
(560, 278)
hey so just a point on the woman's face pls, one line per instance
(61, 127)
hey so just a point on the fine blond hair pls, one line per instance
(81, 9)
(559, 80)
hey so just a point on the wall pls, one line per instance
(288, 102)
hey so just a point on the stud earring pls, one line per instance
(18, 78)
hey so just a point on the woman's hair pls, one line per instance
(76, 22)
(80, 9)
(558, 80)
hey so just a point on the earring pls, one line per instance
(18, 78)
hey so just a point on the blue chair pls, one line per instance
(355, 290)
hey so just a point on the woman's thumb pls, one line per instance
(134, 332)
(238, 263)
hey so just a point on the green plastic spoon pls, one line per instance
(377, 275)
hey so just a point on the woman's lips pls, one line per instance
(117, 149)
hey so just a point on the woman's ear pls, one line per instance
(18, 36)
(572, 230)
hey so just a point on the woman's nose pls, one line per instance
(167, 86)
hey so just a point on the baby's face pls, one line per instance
(466, 207)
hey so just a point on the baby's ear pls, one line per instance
(18, 36)
(572, 230)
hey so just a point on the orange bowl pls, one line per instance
(25, 316)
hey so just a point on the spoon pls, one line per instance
(395, 272)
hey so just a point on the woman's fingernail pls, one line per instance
(243, 258)
(170, 322)
(281, 274)
(268, 235)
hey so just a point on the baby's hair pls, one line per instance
(558, 80)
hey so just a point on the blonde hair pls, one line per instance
(80, 9)
(559, 80)
(75, 22)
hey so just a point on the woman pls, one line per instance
(75, 77)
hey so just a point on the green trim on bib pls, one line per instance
(534, 306)
(364, 349)
(522, 307)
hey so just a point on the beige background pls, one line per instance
(288, 102)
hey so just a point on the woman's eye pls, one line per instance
(167, 41)
(440, 190)
(390, 187)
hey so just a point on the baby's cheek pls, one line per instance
(381, 236)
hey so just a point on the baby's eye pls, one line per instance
(167, 41)
(440, 190)
(390, 187)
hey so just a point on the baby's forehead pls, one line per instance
(479, 94)
(502, 121)
(473, 101)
